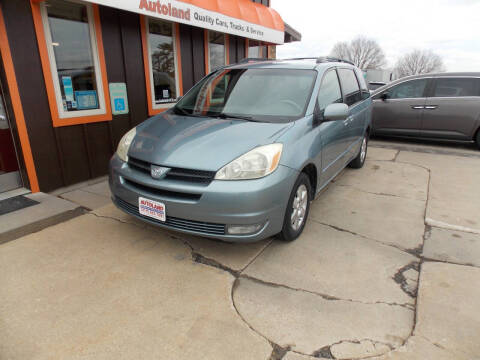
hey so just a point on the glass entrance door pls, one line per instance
(10, 178)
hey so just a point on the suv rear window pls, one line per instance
(350, 86)
(456, 87)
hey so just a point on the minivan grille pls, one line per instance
(172, 222)
(162, 193)
(187, 175)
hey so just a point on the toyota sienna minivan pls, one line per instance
(242, 154)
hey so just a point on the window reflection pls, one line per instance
(216, 48)
(163, 61)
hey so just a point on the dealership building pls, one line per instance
(76, 75)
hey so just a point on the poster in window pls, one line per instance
(86, 99)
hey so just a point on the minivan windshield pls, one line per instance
(266, 95)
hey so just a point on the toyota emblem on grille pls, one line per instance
(158, 172)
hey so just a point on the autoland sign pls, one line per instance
(183, 12)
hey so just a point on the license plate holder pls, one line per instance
(152, 209)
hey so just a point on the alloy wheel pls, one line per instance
(299, 207)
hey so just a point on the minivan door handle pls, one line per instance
(418, 107)
(431, 107)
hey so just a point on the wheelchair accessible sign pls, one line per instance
(118, 98)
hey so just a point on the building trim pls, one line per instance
(17, 106)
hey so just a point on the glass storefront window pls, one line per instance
(73, 55)
(163, 70)
(216, 50)
(254, 49)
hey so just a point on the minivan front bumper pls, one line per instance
(207, 209)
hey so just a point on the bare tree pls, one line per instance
(365, 53)
(418, 62)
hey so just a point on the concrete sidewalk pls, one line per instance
(384, 269)
(90, 195)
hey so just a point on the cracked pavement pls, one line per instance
(387, 268)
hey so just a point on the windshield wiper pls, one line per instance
(231, 116)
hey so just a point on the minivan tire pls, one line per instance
(358, 162)
(478, 138)
(302, 187)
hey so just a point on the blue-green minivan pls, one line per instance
(242, 154)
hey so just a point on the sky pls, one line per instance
(450, 28)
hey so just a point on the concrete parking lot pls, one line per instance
(388, 268)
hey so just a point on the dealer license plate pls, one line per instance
(153, 209)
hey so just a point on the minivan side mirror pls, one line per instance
(384, 96)
(334, 112)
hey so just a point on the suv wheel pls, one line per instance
(358, 162)
(297, 209)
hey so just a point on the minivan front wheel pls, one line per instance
(297, 209)
(358, 162)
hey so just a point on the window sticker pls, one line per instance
(68, 88)
(118, 98)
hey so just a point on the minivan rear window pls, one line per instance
(456, 87)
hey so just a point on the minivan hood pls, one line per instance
(199, 143)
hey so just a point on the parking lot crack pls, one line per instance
(114, 219)
(414, 252)
(278, 351)
(396, 156)
(199, 258)
(322, 295)
(453, 352)
(425, 258)
(328, 351)
(256, 256)
(376, 193)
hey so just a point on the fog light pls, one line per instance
(243, 229)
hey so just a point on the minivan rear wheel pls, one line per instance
(358, 162)
(297, 209)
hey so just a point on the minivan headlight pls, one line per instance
(257, 163)
(124, 144)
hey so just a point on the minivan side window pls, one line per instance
(408, 90)
(456, 87)
(350, 86)
(363, 84)
(329, 91)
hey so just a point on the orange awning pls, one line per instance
(237, 17)
(245, 10)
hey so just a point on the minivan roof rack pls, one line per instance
(323, 59)
(319, 60)
(249, 60)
